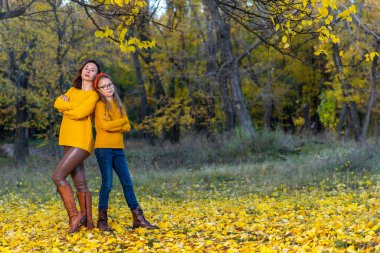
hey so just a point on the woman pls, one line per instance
(110, 123)
(77, 106)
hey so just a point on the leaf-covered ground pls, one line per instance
(334, 218)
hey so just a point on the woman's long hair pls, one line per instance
(78, 78)
(115, 97)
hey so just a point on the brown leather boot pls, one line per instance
(85, 203)
(103, 220)
(139, 220)
(75, 217)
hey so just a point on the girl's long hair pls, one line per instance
(78, 78)
(115, 97)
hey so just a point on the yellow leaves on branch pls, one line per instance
(120, 3)
(370, 56)
(345, 14)
(173, 111)
(284, 40)
(126, 45)
(326, 38)
(119, 35)
(105, 33)
(322, 13)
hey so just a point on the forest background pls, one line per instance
(227, 99)
(205, 67)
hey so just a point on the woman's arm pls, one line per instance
(84, 109)
(62, 105)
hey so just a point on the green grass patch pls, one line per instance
(231, 166)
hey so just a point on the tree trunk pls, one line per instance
(212, 72)
(354, 115)
(238, 104)
(174, 131)
(53, 147)
(179, 63)
(230, 67)
(268, 98)
(144, 107)
(268, 105)
(376, 130)
(342, 117)
(208, 50)
(227, 104)
(372, 98)
(21, 134)
(352, 110)
(65, 41)
(306, 116)
(20, 79)
(211, 66)
(154, 78)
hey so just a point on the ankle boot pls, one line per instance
(85, 203)
(75, 217)
(103, 220)
(139, 220)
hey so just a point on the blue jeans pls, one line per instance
(108, 159)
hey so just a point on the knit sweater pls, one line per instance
(110, 126)
(76, 126)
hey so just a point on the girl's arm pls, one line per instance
(109, 125)
(124, 127)
(127, 126)
(84, 109)
(62, 105)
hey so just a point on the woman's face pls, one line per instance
(105, 87)
(89, 72)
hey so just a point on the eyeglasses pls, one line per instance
(107, 86)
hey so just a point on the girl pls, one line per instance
(110, 123)
(75, 136)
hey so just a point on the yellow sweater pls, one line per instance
(110, 126)
(76, 126)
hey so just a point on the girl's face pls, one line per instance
(106, 88)
(89, 72)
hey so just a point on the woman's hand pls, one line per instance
(65, 98)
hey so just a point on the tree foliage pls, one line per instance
(292, 64)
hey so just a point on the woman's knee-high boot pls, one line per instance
(75, 217)
(85, 203)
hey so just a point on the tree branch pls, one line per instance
(15, 13)
(363, 26)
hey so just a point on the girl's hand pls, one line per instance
(65, 98)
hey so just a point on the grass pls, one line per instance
(233, 165)
(272, 193)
